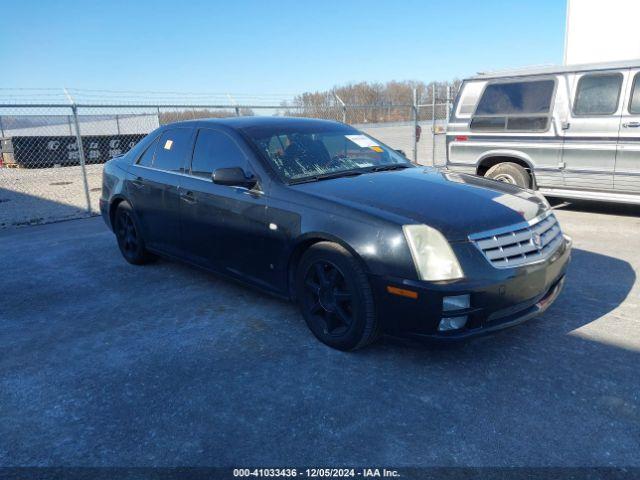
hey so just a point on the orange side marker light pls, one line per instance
(402, 292)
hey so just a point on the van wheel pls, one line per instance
(335, 297)
(509, 172)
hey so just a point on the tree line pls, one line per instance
(373, 102)
(178, 115)
(365, 102)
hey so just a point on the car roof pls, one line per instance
(260, 121)
(553, 69)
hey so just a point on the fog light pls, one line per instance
(452, 323)
(458, 302)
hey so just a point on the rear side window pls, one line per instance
(469, 97)
(516, 98)
(215, 149)
(634, 103)
(146, 159)
(523, 105)
(598, 94)
(172, 150)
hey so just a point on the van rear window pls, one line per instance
(488, 123)
(528, 123)
(516, 98)
(523, 105)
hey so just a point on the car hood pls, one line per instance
(455, 204)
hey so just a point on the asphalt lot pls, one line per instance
(107, 364)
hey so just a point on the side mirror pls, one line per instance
(401, 152)
(233, 177)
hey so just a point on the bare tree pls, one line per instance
(368, 102)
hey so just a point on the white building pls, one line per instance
(601, 31)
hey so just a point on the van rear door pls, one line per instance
(591, 132)
(627, 168)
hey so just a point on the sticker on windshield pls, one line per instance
(168, 144)
(363, 141)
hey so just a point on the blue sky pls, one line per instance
(275, 46)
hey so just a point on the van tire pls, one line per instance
(509, 172)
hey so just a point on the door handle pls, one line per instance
(138, 182)
(188, 197)
(631, 125)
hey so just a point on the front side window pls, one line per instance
(634, 103)
(215, 149)
(172, 149)
(598, 94)
(519, 105)
(308, 151)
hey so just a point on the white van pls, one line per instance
(570, 131)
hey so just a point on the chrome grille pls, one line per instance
(520, 244)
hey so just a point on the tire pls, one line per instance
(128, 234)
(509, 172)
(335, 297)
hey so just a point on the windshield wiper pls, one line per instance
(393, 166)
(328, 176)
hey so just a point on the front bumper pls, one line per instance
(499, 298)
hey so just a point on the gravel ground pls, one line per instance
(107, 364)
(43, 195)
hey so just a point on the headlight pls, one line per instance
(432, 255)
(545, 202)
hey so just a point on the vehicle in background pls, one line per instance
(570, 131)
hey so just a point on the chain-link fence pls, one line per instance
(52, 153)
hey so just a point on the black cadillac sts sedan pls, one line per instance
(362, 239)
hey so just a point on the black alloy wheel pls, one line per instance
(335, 297)
(328, 298)
(127, 234)
(130, 240)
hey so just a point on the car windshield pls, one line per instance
(304, 153)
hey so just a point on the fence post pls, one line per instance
(74, 109)
(433, 124)
(1, 128)
(344, 107)
(415, 125)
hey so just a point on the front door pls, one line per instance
(591, 132)
(154, 189)
(627, 172)
(223, 227)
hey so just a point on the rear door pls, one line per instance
(154, 188)
(627, 170)
(591, 131)
(224, 227)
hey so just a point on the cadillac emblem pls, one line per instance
(536, 239)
